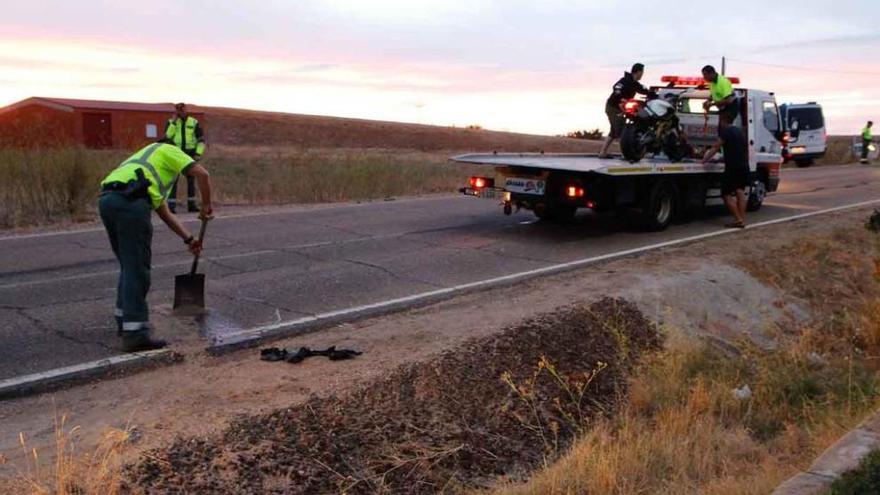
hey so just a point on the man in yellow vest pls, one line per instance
(721, 96)
(866, 141)
(185, 132)
(129, 194)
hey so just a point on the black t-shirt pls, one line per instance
(736, 155)
(625, 89)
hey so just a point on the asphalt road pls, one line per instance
(57, 290)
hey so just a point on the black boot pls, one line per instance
(140, 341)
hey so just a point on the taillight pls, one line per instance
(574, 192)
(631, 107)
(481, 182)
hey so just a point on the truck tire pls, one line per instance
(659, 208)
(803, 163)
(630, 144)
(757, 193)
(555, 213)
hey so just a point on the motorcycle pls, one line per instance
(652, 126)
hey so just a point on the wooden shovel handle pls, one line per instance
(201, 240)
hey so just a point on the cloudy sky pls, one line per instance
(543, 67)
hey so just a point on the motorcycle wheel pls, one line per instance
(674, 148)
(631, 145)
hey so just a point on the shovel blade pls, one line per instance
(189, 292)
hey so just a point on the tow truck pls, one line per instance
(555, 185)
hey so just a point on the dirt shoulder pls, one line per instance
(698, 287)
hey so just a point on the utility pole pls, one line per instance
(723, 65)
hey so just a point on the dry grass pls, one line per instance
(682, 430)
(61, 185)
(65, 471)
(273, 175)
(838, 276)
(236, 127)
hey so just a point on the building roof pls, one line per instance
(68, 105)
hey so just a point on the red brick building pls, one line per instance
(40, 121)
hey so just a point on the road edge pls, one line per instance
(845, 455)
(292, 328)
(49, 380)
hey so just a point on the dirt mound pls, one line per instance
(463, 419)
(251, 128)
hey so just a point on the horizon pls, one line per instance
(444, 63)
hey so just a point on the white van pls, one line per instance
(805, 125)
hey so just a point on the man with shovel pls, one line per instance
(128, 195)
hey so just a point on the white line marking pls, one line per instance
(258, 332)
(289, 209)
(68, 278)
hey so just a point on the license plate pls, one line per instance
(488, 193)
(525, 186)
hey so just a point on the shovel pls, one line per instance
(189, 289)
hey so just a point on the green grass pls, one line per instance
(61, 185)
(862, 480)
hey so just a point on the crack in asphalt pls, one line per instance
(394, 275)
(260, 301)
(41, 325)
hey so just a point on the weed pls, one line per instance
(62, 185)
(97, 472)
(682, 430)
(864, 479)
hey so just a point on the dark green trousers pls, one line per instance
(130, 230)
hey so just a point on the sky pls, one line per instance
(526, 66)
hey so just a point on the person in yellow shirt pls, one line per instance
(129, 194)
(721, 96)
(867, 138)
(184, 131)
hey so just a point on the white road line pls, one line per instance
(29, 283)
(290, 209)
(275, 329)
(16, 285)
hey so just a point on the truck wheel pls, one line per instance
(757, 193)
(630, 144)
(803, 163)
(556, 213)
(659, 209)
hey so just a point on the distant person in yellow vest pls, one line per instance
(184, 131)
(129, 194)
(866, 141)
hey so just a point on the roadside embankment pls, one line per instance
(769, 359)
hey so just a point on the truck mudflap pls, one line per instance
(773, 174)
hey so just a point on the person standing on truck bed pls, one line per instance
(866, 141)
(721, 96)
(128, 195)
(185, 132)
(625, 89)
(736, 171)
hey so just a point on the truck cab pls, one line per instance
(759, 117)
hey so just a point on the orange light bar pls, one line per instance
(691, 81)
